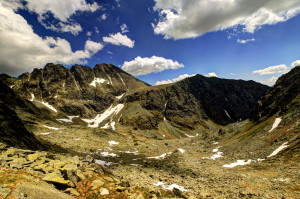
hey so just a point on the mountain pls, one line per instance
(79, 90)
(282, 98)
(105, 96)
(274, 123)
(191, 104)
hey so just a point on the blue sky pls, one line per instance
(160, 40)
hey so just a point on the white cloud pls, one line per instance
(97, 30)
(22, 50)
(270, 82)
(181, 19)
(69, 26)
(295, 63)
(181, 77)
(124, 28)
(212, 74)
(119, 40)
(61, 10)
(103, 17)
(273, 70)
(89, 33)
(92, 47)
(146, 65)
(244, 41)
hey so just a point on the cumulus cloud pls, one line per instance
(69, 26)
(60, 10)
(22, 49)
(146, 65)
(103, 17)
(212, 74)
(270, 82)
(124, 28)
(295, 63)
(181, 19)
(119, 40)
(279, 69)
(89, 33)
(181, 77)
(244, 41)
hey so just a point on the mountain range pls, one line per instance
(93, 105)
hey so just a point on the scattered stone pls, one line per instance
(72, 191)
(33, 157)
(179, 193)
(140, 197)
(104, 192)
(38, 190)
(56, 178)
(97, 183)
(4, 192)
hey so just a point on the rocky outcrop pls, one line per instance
(12, 129)
(283, 97)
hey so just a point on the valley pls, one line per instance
(150, 142)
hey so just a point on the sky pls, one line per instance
(158, 41)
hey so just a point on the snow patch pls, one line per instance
(191, 136)
(110, 79)
(130, 152)
(111, 143)
(49, 127)
(104, 163)
(45, 133)
(162, 156)
(120, 96)
(215, 143)
(181, 150)
(237, 163)
(218, 154)
(32, 97)
(283, 146)
(107, 154)
(67, 120)
(227, 114)
(170, 187)
(136, 165)
(275, 124)
(49, 106)
(97, 80)
(77, 139)
(94, 123)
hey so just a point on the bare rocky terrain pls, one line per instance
(48, 154)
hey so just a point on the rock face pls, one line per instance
(80, 90)
(120, 100)
(12, 129)
(191, 103)
(283, 97)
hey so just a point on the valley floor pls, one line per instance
(200, 168)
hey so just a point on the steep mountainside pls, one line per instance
(12, 129)
(81, 90)
(191, 103)
(283, 97)
(275, 123)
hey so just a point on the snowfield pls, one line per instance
(275, 124)
(112, 110)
